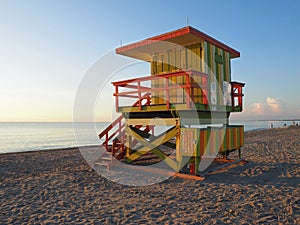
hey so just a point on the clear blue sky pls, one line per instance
(47, 46)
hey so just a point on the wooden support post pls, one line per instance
(152, 146)
(197, 163)
(148, 146)
(168, 160)
(226, 154)
(240, 153)
(151, 138)
(197, 151)
(178, 155)
(123, 145)
(128, 142)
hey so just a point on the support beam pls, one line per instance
(152, 146)
(148, 146)
(152, 137)
(153, 121)
(128, 145)
(174, 165)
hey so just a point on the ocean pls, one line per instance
(31, 136)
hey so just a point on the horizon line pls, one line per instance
(289, 119)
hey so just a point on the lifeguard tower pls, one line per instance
(190, 91)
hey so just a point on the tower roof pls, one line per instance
(184, 36)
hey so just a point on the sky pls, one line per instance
(47, 47)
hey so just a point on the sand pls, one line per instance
(58, 186)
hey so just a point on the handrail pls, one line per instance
(107, 129)
(121, 125)
(137, 89)
(146, 78)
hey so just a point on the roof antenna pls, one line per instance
(187, 21)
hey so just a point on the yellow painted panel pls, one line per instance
(183, 59)
(153, 67)
(173, 92)
(198, 54)
(172, 60)
(187, 142)
(159, 64)
(197, 91)
(189, 56)
(165, 59)
(180, 91)
(154, 97)
(161, 94)
(178, 59)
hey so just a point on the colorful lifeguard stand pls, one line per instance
(190, 90)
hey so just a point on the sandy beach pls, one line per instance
(59, 187)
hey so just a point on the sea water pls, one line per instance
(27, 136)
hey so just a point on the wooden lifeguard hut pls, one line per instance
(190, 91)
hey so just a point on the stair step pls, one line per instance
(106, 158)
(117, 146)
(116, 143)
(102, 163)
(108, 153)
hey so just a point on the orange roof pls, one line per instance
(184, 36)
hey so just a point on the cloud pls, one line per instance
(298, 113)
(273, 104)
(270, 106)
(257, 108)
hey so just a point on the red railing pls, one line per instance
(237, 94)
(192, 78)
(106, 132)
(117, 134)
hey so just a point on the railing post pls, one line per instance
(240, 96)
(139, 94)
(119, 127)
(106, 141)
(148, 100)
(117, 98)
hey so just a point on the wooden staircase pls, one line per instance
(115, 137)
